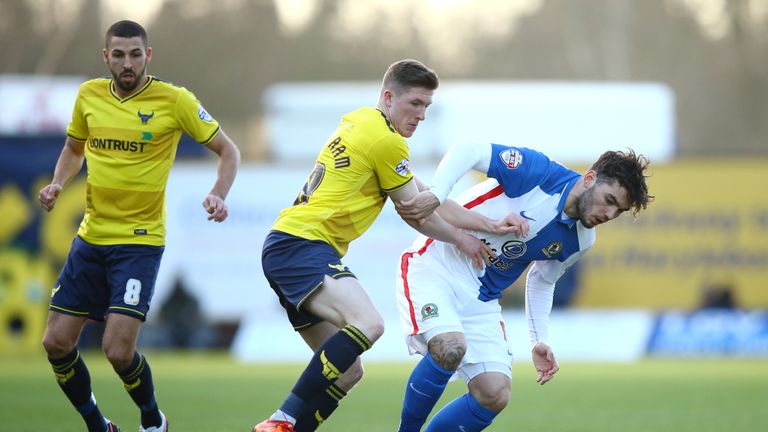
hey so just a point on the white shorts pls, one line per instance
(432, 300)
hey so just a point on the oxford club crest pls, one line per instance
(145, 117)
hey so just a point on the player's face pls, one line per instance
(127, 59)
(408, 109)
(601, 203)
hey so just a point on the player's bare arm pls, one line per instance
(69, 164)
(229, 159)
(436, 227)
(418, 208)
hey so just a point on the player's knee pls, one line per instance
(450, 359)
(120, 357)
(374, 330)
(372, 326)
(495, 398)
(55, 346)
(448, 349)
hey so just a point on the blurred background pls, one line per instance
(681, 81)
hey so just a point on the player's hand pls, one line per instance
(216, 208)
(418, 208)
(48, 196)
(477, 250)
(545, 363)
(512, 223)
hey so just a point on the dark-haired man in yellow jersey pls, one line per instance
(128, 128)
(365, 161)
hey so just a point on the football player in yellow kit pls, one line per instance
(127, 127)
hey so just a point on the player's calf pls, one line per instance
(352, 376)
(137, 380)
(424, 388)
(322, 405)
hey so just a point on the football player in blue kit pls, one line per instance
(450, 311)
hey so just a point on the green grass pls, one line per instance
(212, 393)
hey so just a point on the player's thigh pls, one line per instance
(426, 304)
(62, 333)
(344, 301)
(491, 389)
(296, 269)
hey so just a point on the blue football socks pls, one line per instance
(424, 388)
(463, 414)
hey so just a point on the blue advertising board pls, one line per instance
(710, 332)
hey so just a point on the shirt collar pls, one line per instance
(562, 217)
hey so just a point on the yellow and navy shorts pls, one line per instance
(295, 268)
(97, 280)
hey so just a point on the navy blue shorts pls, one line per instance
(97, 280)
(295, 268)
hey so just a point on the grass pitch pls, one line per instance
(213, 393)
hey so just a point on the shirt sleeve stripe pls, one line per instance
(212, 136)
(398, 186)
(77, 138)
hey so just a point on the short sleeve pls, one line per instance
(194, 119)
(390, 160)
(78, 128)
(517, 169)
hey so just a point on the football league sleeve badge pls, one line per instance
(512, 158)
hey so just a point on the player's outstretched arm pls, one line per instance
(434, 226)
(67, 166)
(229, 159)
(545, 363)
(459, 159)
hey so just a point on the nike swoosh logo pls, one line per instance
(416, 390)
(461, 427)
(522, 213)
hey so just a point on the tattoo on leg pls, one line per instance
(448, 350)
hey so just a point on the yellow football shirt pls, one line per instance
(364, 159)
(130, 145)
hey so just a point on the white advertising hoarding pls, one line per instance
(36, 104)
(573, 123)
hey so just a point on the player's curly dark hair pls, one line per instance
(127, 29)
(629, 170)
(408, 73)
